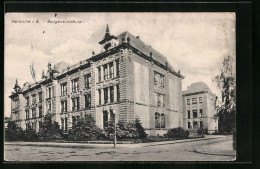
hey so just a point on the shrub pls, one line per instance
(85, 130)
(178, 133)
(13, 132)
(49, 130)
(125, 130)
(30, 135)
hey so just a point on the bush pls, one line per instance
(30, 135)
(126, 130)
(85, 130)
(13, 132)
(177, 133)
(49, 130)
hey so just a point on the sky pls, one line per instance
(194, 43)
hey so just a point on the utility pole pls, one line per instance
(115, 128)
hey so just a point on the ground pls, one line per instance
(195, 150)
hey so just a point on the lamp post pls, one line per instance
(114, 112)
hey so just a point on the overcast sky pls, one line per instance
(194, 43)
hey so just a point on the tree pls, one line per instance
(85, 129)
(140, 129)
(226, 109)
(49, 129)
(126, 130)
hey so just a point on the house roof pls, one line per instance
(137, 43)
(197, 87)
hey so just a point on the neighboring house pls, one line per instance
(199, 108)
(126, 80)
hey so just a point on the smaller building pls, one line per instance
(199, 108)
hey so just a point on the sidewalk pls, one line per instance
(221, 149)
(106, 146)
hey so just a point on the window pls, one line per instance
(40, 124)
(75, 103)
(194, 113)
(157, 120)
(34, 126)
(195, 124)
(188, 114)
(200, 112)
(63, 106)
(64, 89)
(99, 74)
(62, 124)
(201, 124)
(99, 96)
(66, 123)
(49, 92)
(27, 101)
(49, 108)
(159, 99)
(194, 100)
(105, 95)
(33, 99)
(163, 120)
(27, 114)
(111, 94)
(189, 126)
(118, 92)
(74, 121)
(200, 99)
(40, 97)
(111, 70)
(117, 68)
(40, 111)
(87, 81)
(53, 92)
(105, 72)
(33, 113)
(105, 119)
(158, 80)
(88, 101)
(188, 101)
(74, 84)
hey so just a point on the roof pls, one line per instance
(197, 87)
(137, 43)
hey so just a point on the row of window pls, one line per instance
(194, 113)
(75, 84)
(33, 99)
(194, 100)
(109, 91)
(195, 125)
(108, 71)
(32, 126)
(33, 113)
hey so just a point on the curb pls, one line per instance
(213, 153)
(101, 146)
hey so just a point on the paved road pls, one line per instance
(167, 152)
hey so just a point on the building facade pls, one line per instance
(126, 80)
(199, 108)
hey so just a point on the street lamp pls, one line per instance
(114, 112)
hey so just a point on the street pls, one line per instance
(184, 151)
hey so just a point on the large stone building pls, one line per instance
(199, 108)
(128, 79)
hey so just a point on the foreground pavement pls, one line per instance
(210, 148)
